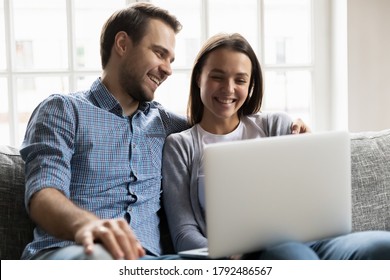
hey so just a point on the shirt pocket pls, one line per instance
(155, 142)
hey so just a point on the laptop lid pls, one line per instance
(268, 190)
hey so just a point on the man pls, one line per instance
(93, 158)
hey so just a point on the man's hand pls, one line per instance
(298, 126)
(56, 214)
(115, 235)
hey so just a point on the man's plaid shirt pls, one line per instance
(105, 162)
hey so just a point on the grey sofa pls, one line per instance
(370, 158)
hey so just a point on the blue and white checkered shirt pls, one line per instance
(107, 163)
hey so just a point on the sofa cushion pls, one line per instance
(15, 226)
(370, 164)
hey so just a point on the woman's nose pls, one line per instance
(229, 86)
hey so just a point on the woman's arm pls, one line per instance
(177, 167)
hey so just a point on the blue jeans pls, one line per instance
(76, 252)
(368, 245)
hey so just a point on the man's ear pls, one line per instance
(121, 42)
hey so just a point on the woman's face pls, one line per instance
(224, 84)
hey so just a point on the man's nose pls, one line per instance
(166, 68)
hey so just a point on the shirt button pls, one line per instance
(134, 146)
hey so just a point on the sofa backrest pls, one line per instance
(370, 164)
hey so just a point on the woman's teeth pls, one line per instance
(225, 100)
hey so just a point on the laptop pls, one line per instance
(261, 192)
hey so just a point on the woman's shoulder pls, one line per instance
(180, 144)
(269, 115)
(273, 123)
(265, 118)
(183, 138)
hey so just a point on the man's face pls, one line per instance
(147, 64)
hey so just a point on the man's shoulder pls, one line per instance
(164, 111)
(173, 122)
(57, 107)
(74, 97)
(55, 100)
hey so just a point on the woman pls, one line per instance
(224, 103)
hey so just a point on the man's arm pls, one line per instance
(57, 215)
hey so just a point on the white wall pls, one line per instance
(339, 66)
(368, 24)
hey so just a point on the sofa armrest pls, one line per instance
(16, 228)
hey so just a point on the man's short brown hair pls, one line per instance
(133, 20)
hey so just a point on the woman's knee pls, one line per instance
(376, 246)
(284, 251)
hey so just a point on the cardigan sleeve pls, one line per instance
(177, 166)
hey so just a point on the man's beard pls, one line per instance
(132, 85)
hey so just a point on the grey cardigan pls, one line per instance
(181, 161)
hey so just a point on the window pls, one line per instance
(280, 31)
(4, 104)
(52, 46)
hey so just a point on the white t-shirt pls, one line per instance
(244, 130)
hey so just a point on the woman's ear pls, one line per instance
(198, 80)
